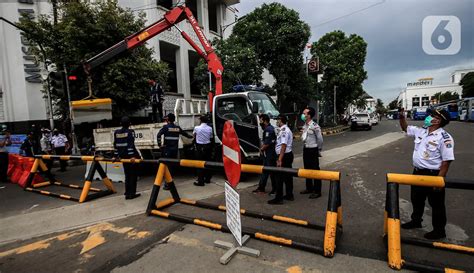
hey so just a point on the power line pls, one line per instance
(351, 13)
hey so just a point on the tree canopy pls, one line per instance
(446, 96)
(467, 83)
(84, 30)
(277, 36)
(342, 60)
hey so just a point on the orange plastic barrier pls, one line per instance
(17, 170)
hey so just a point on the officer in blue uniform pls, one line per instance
(171, 134)
(267, 150)
(432, 155)
(124, 144)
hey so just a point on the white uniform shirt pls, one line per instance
(58, 141)
(431, 148)
(203, 133)
(284, 136)
(312, 136)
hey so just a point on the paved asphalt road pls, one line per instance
(136, 243)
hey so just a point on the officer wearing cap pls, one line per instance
(313, 143)
(283, 149)
(203, 141)
(124, 144)
(433, 153)
(171, 134)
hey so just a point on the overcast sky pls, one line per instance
(393, 32)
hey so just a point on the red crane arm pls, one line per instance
(171, 18)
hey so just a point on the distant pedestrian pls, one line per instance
(124, 145)
(171, 134)
(433, 153)
(60, 146)
(156, 99)
(283, 149)
(267, 151)
(5, 141)
(46, 147)
(203, 141)
(28, 145)
(313, 144)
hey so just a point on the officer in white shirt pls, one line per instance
(283, 149)
(61, 147)
(313, 143)
(203, 140)
(433, 153)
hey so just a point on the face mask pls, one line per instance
(428, 120)
(303, 117)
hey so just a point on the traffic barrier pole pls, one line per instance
(160, 173)
(87, 184)
(393, 227)
(172, 186)
(331, 221)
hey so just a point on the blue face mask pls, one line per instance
(303, 117)
(428, 120)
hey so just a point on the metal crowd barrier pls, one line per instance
(332, 227)
(392, 220)
(40, 167)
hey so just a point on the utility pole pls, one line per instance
(335, 87)
(73, 134)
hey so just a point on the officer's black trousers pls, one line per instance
(3, 167)
(204, 152)
(311, 161)
(171, 153)
(271, 162)
(435, 199)
(130, 171)
(285, 178)
(61, 151)
(157, 108)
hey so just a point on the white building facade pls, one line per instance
(421, 93)
(21, 99)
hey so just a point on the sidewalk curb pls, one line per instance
(335, 130)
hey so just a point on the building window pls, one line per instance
(415, 102)
(425, 101)
(212, 10)
(167, 4)
(452, 79)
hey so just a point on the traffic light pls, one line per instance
(57, 83)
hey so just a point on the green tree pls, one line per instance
(467, 83)
(84, 30)
(393, 104)
(446, 96)
(240, 63)
(342, 60)
(379, 107)
(278, 36)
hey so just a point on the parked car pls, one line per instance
(374, 119)
(361, 121)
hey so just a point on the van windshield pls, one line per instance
(265, 104)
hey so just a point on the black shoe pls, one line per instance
(435, 234)
(306, 192)
(133, 196)
(258, 190)
(314, 195)
(166, 187)
(411, 225)
(289, 197)
(200, 184)
(207, 182)
(275, 202)
(272, 193)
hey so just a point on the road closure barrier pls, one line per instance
(392, 221)
(39, 167)
(332, 228)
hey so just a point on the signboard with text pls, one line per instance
(232, 204)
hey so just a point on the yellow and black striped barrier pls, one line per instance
(392, 221)
(332, 227)
(40, 167)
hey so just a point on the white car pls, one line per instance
(374, 119)
(361, 121)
